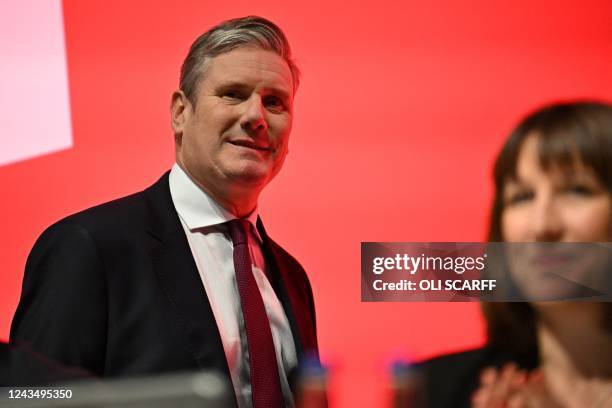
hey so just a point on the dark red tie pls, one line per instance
(265, 380)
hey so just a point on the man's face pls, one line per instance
(236, 137)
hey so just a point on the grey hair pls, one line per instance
(226, 36)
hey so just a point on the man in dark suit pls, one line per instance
(182, 276)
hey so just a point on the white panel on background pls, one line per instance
(34, 102)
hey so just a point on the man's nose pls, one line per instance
(253, 118)
(547, 220)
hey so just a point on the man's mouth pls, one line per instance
(250, 144)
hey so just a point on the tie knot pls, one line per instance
(239, 231)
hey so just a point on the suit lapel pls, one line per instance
(179, 278)
(286, 290)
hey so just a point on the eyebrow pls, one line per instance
(242, 87)
(579, 176)
(514, 184)
(513, 180)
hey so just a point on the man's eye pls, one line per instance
(274, 103)
(232, 95)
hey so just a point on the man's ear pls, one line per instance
(180, 108)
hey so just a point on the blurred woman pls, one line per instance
(553, 183)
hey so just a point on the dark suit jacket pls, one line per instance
(115, 290)
(22, 367)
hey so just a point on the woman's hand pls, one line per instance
(511, 387)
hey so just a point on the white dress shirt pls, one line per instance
(212, 251)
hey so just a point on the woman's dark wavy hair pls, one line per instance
(566, 132)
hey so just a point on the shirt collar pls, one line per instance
(196, 208)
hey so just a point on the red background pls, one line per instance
(401, 110)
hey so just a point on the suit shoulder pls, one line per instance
(128, 211)
(91, 225)
(106, 222)
(112, 213)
